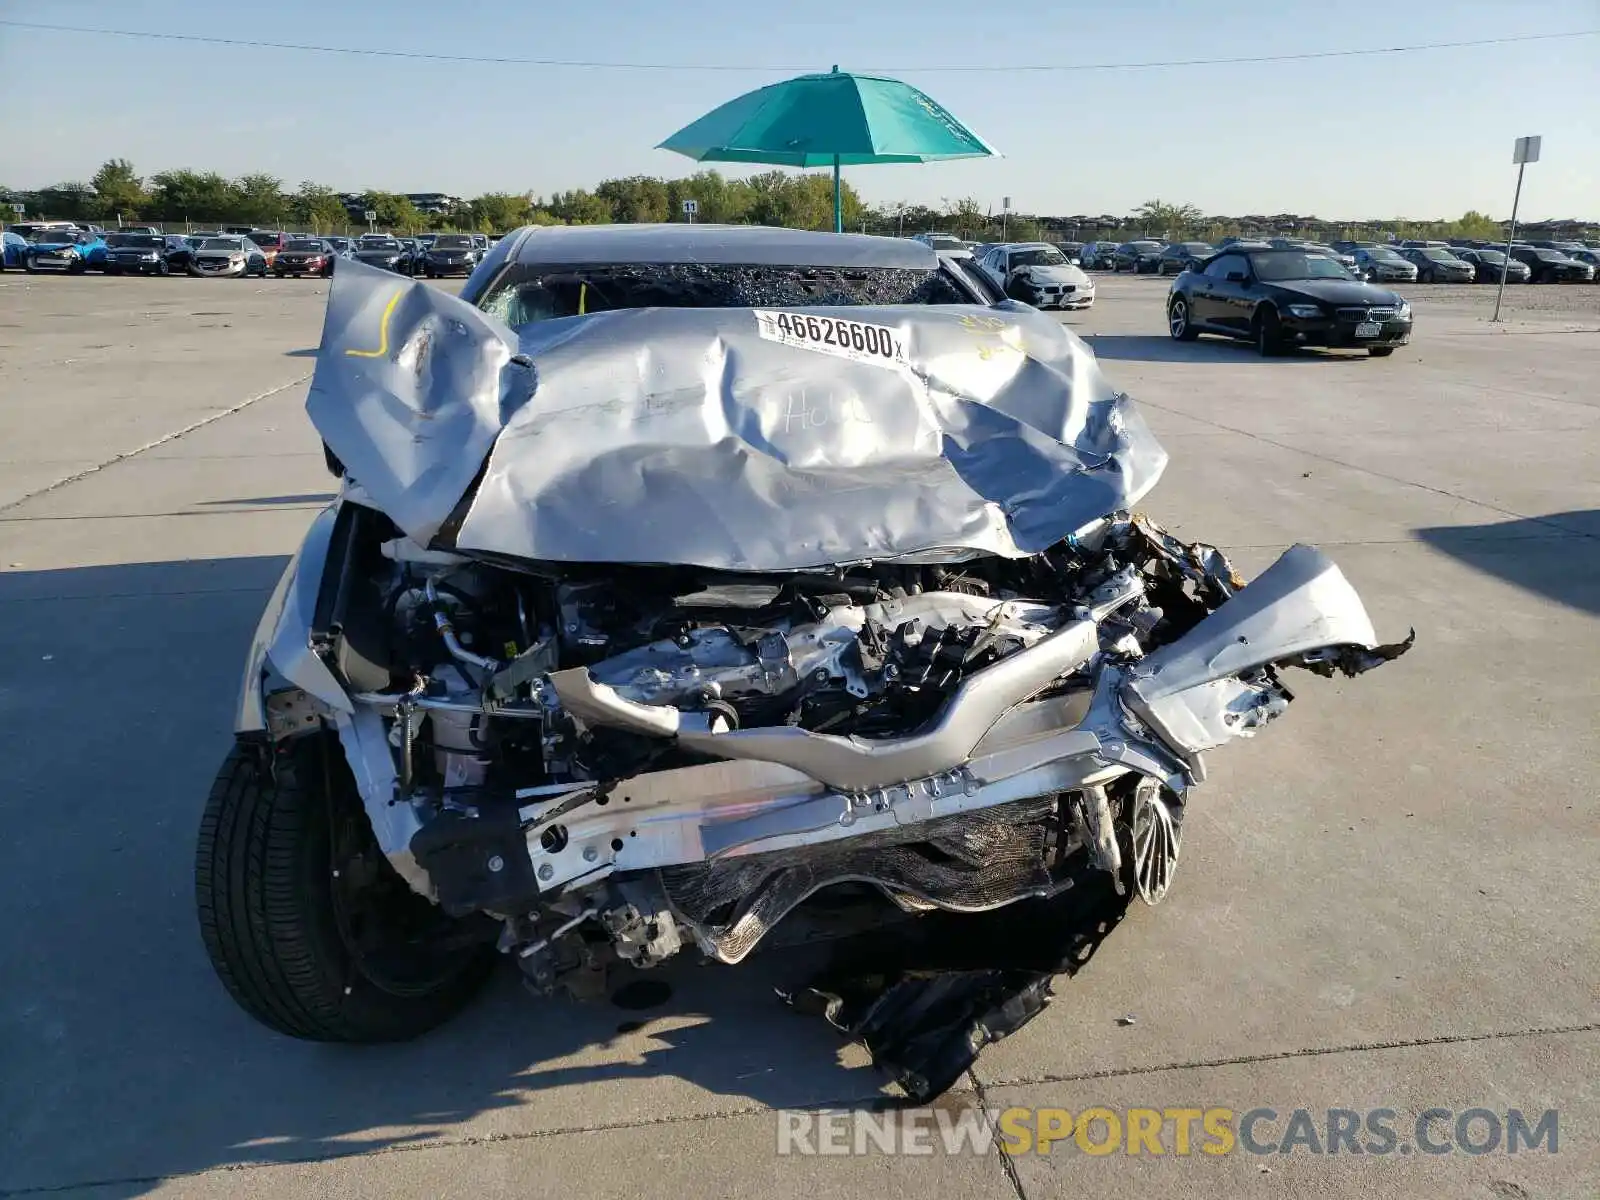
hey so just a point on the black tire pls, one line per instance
(1179, 322)
(163, 267)
(28, 266)
(1380, 351)
(279, 934)
(1268, 332)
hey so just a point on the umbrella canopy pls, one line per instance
(835, 119)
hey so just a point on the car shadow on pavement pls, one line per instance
(316, 498)
(1556, 556)
(1148, 347)
(308, 352)
(125, 1059)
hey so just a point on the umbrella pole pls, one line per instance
(838, 208)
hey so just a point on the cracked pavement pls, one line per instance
(1387, 900)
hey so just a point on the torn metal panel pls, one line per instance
(410, 391)
(1302, 602)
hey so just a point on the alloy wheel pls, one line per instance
(1178, 318)
(1156, 829)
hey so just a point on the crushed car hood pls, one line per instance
(740, 439)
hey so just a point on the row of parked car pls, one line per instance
(143, 250)
(1462, 260)
(1402, 262)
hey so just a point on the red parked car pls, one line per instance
(271, 243)
(304, 256)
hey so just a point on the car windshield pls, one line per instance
(1549, 255)
(1140, 247)
(370, 243)
(338, 243)
(1295, 264)
(1043, 256)
(452, 241)
(56, 236)
(261, 238)
(1492, 257)
(1437, 255)
(221, 244)
(1383, 255)
(941, 241)
(1196, 248)
(533, 293)
(303, 244)
(145, 241)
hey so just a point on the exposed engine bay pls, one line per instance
(617, 762)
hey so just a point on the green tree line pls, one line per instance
(117, 192)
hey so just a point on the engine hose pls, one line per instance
(447, 633)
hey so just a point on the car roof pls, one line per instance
(1024, 246)
(745, 245)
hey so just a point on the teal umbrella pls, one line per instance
(839, 119)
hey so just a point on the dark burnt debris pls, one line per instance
(925, 996)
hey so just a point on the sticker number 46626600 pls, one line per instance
(837, 336)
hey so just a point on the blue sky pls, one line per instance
(1420, 135)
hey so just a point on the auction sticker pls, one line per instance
(838, 336)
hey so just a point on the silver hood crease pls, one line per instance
(702, 437)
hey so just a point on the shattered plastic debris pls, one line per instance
(927, 996)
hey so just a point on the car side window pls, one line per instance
(1218, 268)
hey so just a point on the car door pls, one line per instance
(994, 264)
(1211, 289)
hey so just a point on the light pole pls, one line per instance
(1524, 151)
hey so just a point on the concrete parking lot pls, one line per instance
(1388, 900)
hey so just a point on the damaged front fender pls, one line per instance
(1214, 683)
(282, 641)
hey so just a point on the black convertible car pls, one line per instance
(1283, 298)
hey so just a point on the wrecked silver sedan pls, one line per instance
(682, 579)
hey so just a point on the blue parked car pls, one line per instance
(12, 248)
(71, 250)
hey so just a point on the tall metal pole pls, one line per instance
(838, 209)
(1510, 238)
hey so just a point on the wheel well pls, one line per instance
(1265, 306)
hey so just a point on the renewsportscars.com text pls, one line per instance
(1136, 1131)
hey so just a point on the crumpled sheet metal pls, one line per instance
(704, 437)
(410, 390)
